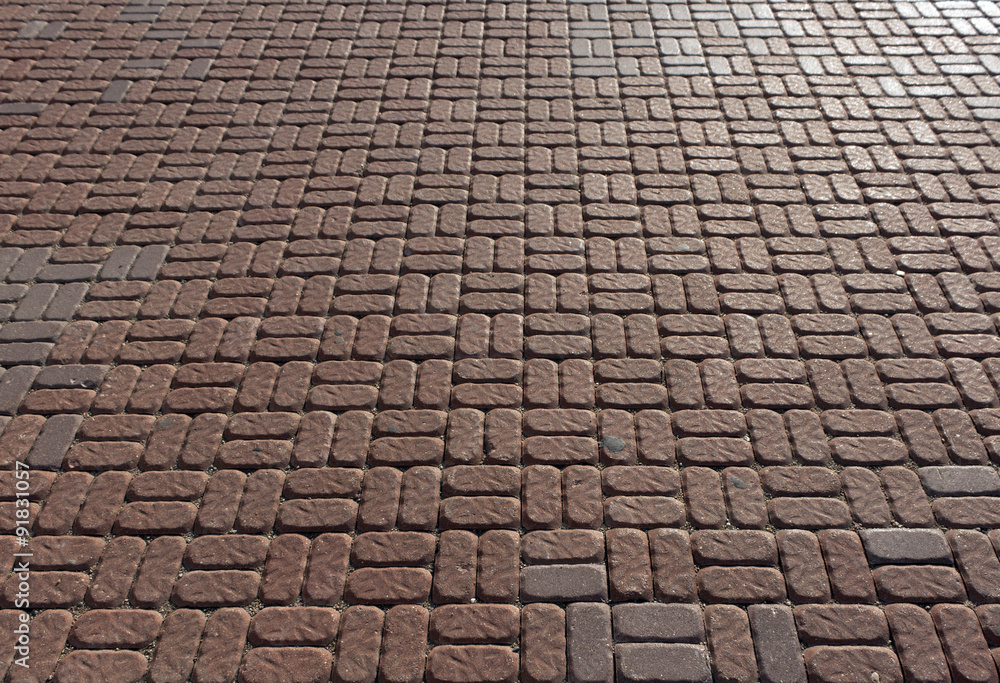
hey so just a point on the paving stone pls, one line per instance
(222, 645)
(54, 440)
(358, 643)
(963, 642)
(297, 663)
(776, 643)
(263, 272)
(108, 665)
(960, 481)
(564, 583)
(106, 629)
(25, 353)
(543, 643)
(117, 265)
(829, 663)
(472, 663)
(905, 546)
(14, 384)
(33, 331)
(920, 653)
(588, 642)
(474, 624)
(177, 645)
(661, 662)
(643, 623)
(840, 624)
(730, 642)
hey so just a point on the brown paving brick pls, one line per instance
(375, 303)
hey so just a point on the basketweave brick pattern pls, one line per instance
(470, 341)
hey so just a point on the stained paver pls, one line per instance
(468, 341)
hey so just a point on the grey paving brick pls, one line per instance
(34, 303)
(24, 353)
(588, 643)
(148, 262)
(144, 63)
(198, 69)
(905, 546)
(21, 108)
(8, 256)
(653, 622)
(12, 292)
(779, 657)
(116, 90)
(165, 34)
(52, 30)
(117, 265)
(31, 331)
(195, 43)
(71, 377)
(30, 30)
(76, 272)
(564, 583)
(14, 384)
(66, 301)
(28, 265)
(960, 481)
(53, 441)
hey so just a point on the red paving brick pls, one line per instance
(483, 341)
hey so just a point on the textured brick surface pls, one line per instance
(483, 340)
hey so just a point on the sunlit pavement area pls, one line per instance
(500, 341)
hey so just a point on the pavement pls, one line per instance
(495, 341)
